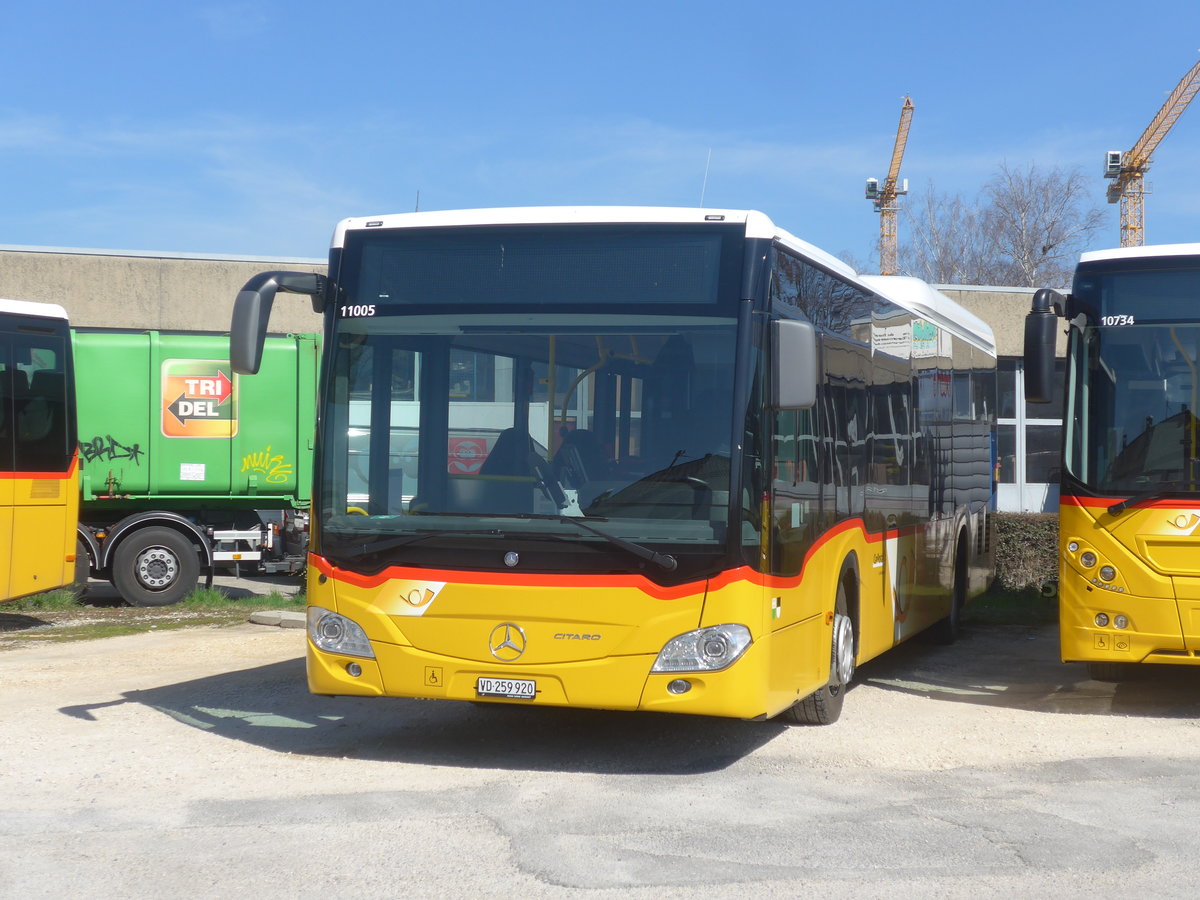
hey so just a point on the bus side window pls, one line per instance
(8, 377)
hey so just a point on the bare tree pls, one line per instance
(851, 259)
(1026, 230)
(947, 244)
(1037, 222)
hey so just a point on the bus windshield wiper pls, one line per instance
(1117, 508)
(357, 550)
(664, 560)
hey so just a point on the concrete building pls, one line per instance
(179, 292)
(152, 291)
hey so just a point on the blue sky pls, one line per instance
(250, 128)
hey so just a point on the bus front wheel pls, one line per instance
(824, 706)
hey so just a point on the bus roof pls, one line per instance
(30, 308)
(918, 297)
(1141, 252)
(757, 224)
(542, 215)
(910, 293)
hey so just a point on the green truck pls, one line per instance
(185, 467)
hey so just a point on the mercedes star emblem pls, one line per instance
(507, 642)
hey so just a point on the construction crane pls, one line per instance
(884, 197)
(1127, 170)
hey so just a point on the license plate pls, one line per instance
(512, 688)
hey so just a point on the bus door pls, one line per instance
(38, 499)
(44, 501)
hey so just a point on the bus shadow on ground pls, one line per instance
(10, 622)
(1018, 667)
(270, 707)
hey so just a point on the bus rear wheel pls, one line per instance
(824, 706)
(155, 567)
(946, 631)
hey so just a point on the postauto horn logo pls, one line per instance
(199, 398)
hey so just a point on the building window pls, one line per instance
(1028, 442)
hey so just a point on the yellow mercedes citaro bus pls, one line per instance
(39, 464)
(631, 458)
(1129, 509)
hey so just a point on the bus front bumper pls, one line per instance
(617, 683)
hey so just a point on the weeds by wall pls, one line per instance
(1026, 549)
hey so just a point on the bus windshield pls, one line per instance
(1135, 387)
(504, 425)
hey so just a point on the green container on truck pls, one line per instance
(186, 467)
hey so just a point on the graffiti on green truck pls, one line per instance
(274, 468)
(108, 448)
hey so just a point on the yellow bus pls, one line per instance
(631, 458)
(39, 463)
(1129, 509)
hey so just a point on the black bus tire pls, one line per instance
(83, 568)
(1111, 672)
(824, 706)
(947, 630)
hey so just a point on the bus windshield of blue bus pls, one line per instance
(536, 267)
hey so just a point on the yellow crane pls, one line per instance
(1127, 170)
(884, 197)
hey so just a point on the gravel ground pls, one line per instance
(195, 761)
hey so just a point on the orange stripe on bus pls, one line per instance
(46, 476)
(1105, 502)
(637, 582)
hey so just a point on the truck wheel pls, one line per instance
(155, 567)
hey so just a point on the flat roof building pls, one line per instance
(194, 292)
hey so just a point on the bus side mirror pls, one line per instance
(795, 369)
(252, 310)
(1041, 334)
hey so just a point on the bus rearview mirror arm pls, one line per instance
(1041, 336)
(252, 311)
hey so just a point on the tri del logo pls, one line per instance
(199, 398)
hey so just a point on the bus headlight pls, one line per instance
(1087, 559)
(1107, 573)
(334, 633)
(703, 650)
